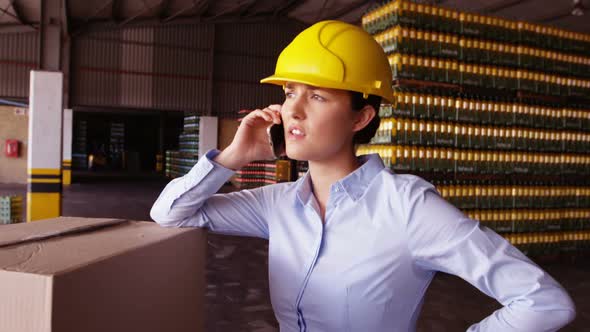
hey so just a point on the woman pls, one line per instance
(352, 246)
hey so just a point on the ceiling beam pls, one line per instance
(178, 13)
(247, 13)
(347, 9)
(82, 26)
(288, 6)
(98, 11)
(321, 11)
(147, 8)
(233, 9)
(108, 24)
(117, 10)
(17, 18)
(164, 9)
(17, 11)
(494, 8)
(553, 17)
(4, 11)
(201, 5)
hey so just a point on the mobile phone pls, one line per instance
(276, 137)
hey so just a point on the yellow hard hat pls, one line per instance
(337, 55)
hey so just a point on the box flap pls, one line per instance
(39, 230)
(71, 251)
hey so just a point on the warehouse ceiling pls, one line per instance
(80, 14)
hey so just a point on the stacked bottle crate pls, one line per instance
(256, 174)
(79, 154)
(495, 113)
(159, 163)
(117, 144)
(11, 209)
(179, 162)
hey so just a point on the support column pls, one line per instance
(44, 153)
(50, 35)
(66, 175)
(45, 117)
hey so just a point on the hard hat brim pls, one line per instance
(315, 81)
(303, 79)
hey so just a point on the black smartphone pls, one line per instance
(276, 136)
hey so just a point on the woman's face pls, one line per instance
(319, 123)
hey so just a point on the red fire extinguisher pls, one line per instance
(12, 148)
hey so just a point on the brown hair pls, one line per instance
(357, 102)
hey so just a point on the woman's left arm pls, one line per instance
(442, 238)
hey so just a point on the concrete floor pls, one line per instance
(237, 292)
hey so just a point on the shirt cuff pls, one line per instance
(211, 154)
(201, 182)
(206, 167)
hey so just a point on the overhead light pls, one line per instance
(578, 9)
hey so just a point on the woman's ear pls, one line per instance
(363, 117)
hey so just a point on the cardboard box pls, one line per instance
(78, 274)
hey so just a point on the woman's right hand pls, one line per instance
(251, 140)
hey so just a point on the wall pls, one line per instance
(209, 69)
(18, 56)
(244, 54)
(13, 170)
(150, 67)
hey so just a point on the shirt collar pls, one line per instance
(354, 184)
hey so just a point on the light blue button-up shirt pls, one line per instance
(366, 268)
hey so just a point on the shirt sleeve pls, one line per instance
(442, 238)
(191, 201)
